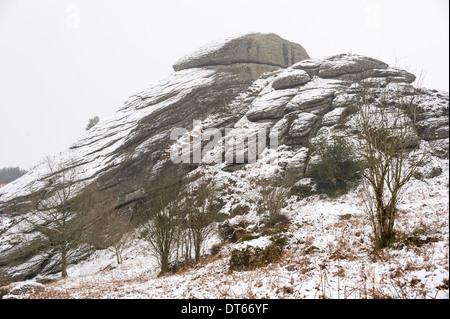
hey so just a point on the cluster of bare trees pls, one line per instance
(177, 219)
(68, 215)
(179, 223)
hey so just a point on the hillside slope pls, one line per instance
(248, 93)
(342, 266)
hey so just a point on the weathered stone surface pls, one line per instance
(432, 114)
(297, 128)
(433, 129)
(303, 124)
(393, 75)
(340, 65)
(343, 99)
(296, 166)
(270, 105)
(333, 117)
(290, 79)
(313, 100)
(310, 66)
(440, 148)
(316, 96)
(348, 63)
(257, 48)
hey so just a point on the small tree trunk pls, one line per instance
(386, 218)
(197, 251)
(164, 263)
(64, 264)
(177, 250)
(187, 250)
(118, 256)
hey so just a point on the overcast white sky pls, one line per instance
(65, 61)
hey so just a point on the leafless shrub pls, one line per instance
(199, 214)
(273, 198)
(389, 156)
(162, 208)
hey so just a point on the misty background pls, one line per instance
(64, 62)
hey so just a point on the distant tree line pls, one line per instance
(9, 174)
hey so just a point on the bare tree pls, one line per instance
(162, 209)
(389, 155)
(62, 215)
(200, 215)
(118, 232)
(185, 244)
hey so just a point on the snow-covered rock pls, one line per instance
(254, 253)
(25, 287)
(290, 78)
(256, 48)
(238, 86)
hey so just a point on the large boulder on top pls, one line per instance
(257, 48)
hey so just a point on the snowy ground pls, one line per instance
(329, 255)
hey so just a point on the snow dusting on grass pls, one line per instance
(329, 253)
